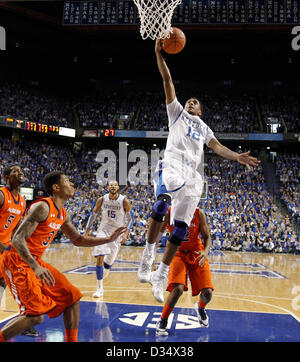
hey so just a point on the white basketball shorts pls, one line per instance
(109, 250)
(184, 188)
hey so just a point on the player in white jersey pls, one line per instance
(115, 212)
(177, 180)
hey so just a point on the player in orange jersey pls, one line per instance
(37, 286)
(12, 208)
(191, 260)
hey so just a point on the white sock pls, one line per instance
(100, 284)
(163, 270)
(150, 248)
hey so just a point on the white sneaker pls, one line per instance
(145, 268)
(98, 293)
(157, 282)
(202, 316)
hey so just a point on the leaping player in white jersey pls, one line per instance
(115, 212)
(177, 180)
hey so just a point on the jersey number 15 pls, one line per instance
(111, 213)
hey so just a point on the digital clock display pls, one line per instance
(109, 132)
(41, 128)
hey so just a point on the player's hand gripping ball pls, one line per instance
(175, 43)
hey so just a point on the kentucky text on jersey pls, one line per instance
(112, 207)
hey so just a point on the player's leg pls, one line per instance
(99, 252)
(205, 298)
(158, 278)
(71, 322)
(201, 283)
(66, 298)
(155, 221)
(177, 283)
(161, 325)
(19, 325)
(29, 317)
(99, 276)
(32, 332)
(109, 259)
(183, 209)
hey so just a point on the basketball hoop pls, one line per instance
(155, 17)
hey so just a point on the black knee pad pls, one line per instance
(161, 207)
(179, 233)
(106, 266)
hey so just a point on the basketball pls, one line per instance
(175, 43)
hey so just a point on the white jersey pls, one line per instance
(113, 213)
(187, 135)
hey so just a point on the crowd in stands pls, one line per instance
(146, 110)
(240, 211)
(230, 114)
(286, 108)
(288, 170)
(153, 113)
(31, 104)
(101, 110)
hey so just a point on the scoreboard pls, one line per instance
(36, 127)
(124, 12)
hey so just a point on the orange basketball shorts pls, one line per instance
(182, 268)
(33, 297)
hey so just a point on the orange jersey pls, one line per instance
(10, 214)
(185, 263)
(46, 231)
(193, 239)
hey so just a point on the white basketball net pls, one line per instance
(155, 17)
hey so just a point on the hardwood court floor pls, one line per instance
(244, 282)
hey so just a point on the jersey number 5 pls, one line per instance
(9, 221)
(46, 242)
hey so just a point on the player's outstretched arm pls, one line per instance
(165, 73)
(87, 241)
(93, 215)
(243, 158)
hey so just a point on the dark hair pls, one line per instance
(51, 179)
(7, 169)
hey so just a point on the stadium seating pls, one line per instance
(240, 211)
(223, 111)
